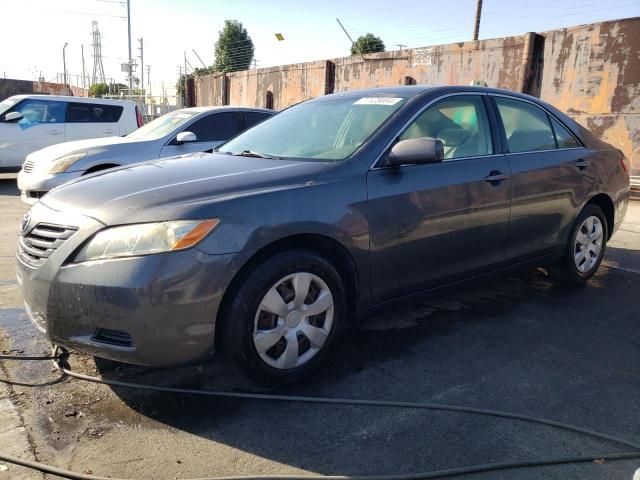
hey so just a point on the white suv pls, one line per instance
(32, 122)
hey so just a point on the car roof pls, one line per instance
(69, 98)
(433, 90)
(225, 108)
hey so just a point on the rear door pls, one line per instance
(210, 130)
(89, 120)
(42, 124)
(550, 175)
(436, 223)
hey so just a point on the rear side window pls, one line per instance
(251, 118)
(526, 126)
(40, 111)
(461, 124)
(564, 139)
(216, 127)
(93, 113)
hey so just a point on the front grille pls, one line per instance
(28, 166)
(36, 246)
(112, 337)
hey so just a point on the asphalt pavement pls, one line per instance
(520, 344)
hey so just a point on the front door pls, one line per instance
(436, 223)
(41, 125)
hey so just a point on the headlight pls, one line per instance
(145, 238)
(62, 163)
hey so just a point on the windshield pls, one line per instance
(161, 126)
(331, 128)
(6, 105)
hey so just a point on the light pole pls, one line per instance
(64, 67)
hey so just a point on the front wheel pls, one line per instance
(285, 317)
(585, 249)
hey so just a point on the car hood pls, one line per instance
(171, 188)
(92, 145)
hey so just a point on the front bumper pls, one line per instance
(157, 310)
(33, 185)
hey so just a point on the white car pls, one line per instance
(190, 130)
(32, 122)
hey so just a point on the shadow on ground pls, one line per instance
(9, 186)
(519, 344)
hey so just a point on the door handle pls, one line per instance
(496, 176)
(55, 132)
(109, 131)
(582, 164)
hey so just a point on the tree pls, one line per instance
(98, 90)
(368, 43)
(234, 48)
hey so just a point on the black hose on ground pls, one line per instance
(446, 473)
(60, 362)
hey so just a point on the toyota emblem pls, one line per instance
(24, 224)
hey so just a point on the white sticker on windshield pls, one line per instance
(378, 101)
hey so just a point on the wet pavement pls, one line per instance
(519, 344)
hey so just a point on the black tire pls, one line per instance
(240, 319)
(565, 271)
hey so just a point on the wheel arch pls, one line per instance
(329, 248)
(605, 202)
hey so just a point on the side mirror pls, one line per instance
(185, 137)
(414, 151)
(12, 117)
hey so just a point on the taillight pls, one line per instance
(139, 117)
(626, 164)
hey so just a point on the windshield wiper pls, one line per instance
(251, 153)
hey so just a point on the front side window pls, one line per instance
(41, 111)
(461, 124)
(526, 126)
(215, 127)
(326, 129)
(162, 126)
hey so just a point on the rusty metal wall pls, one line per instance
(500, 62)
(289, 84)
(9, 87)
(592, 72)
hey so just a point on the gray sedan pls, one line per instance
(306, 222)
(184, 131)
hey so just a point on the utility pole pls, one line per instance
(83, 68)
(149, 78)
(129, 38)
(141, 48)
(184, 91)
(476, 25)
(64, 66)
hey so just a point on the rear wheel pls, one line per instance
(585, 249)
(285, 317)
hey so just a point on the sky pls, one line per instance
(34, 31)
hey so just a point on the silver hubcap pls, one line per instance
(293, 320)
(588, 244)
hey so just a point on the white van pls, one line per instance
(32, 122)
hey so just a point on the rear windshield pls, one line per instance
(328, 129)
